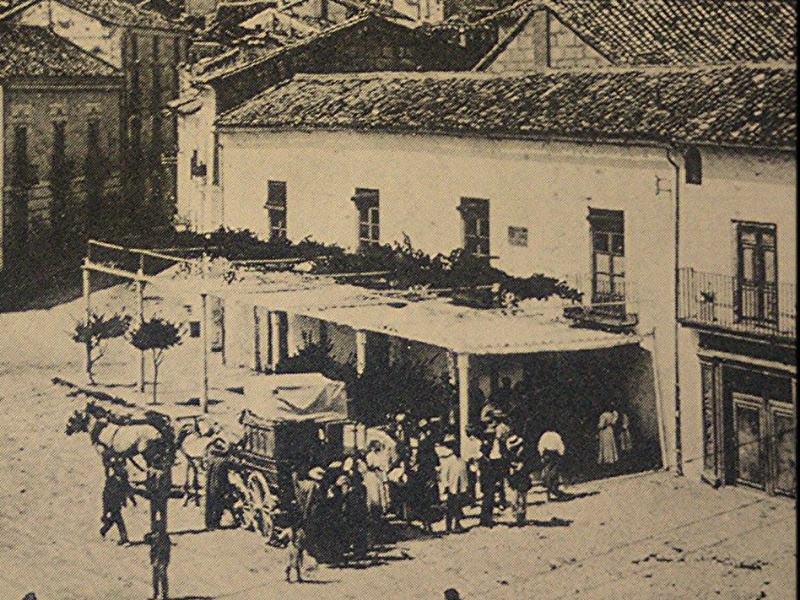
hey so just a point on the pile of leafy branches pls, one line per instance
(387, 266)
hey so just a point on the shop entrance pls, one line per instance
(762, 446)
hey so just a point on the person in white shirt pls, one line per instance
(551, 449)
(454, 483)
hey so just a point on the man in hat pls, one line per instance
(304, 533)
(115, 495)
(494, 466)
(519, 478)
(472, 456)
(427, 461)
(551, 449)
(455, 483)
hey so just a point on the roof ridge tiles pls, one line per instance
(633, 104)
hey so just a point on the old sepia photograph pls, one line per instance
(398, 299)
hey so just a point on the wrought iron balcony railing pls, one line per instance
(725, 302)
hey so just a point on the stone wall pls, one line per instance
(568, 50)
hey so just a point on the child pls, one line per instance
(296, 538)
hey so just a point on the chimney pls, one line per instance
(323, 10)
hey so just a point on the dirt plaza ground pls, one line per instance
(644, 536)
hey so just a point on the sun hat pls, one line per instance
(514, 441)
(316, 474)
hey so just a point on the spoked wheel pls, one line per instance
(260, 505)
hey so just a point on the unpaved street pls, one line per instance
(646, 536)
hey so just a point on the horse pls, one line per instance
(108, 438)
(192, 441)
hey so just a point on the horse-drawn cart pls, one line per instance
(293, 423)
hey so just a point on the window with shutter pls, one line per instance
(475, 219)
(276, 209)
(367, 203)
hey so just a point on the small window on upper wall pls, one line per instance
(276, 209)
(475, 219)
(693, 163)
(367, 203)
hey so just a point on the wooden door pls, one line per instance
(781, 424)
(749, 424)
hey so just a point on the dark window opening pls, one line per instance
(276, 209)
(215, 161)
(694, 166)
(475, 218)
(757, 272)
(156, 43)
(608, 260)
(367, 203)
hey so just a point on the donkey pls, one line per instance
(108, 438)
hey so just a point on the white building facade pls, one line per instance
(593, 210)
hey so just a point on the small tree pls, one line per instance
(156, 335)
(94, 333)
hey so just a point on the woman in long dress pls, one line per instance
(607, 453)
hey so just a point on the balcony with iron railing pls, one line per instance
(605, 305)
(724, 302)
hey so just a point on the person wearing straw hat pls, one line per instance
(519, 478)
(455, 483)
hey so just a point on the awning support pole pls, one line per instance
(87, 299)
(204, 341)
(361, 351)
(462, 365)
(140, 308)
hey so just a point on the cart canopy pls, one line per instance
(295, 396)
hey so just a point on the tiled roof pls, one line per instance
(230, 14)
(27, 51)
(675, 32)
(222, 67)
(116, 12)
(730, 106)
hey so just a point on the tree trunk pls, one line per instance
(155, 381)
(89, 363)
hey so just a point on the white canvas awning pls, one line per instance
(295, 396)
(538, 327)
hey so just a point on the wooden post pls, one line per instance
(257, 366)
(361, 351)
(204, 341)
(87, 298)
(140, 308)
(462, 362)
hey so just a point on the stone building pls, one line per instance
(59, 139)
(148, 48)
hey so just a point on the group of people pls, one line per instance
(337, 512)
(504, 459)
(614, 436)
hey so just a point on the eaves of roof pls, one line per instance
(218, 75)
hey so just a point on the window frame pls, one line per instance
(607, 237)
(367, 201)
(476, 226)
(765, 288)
(276, 208)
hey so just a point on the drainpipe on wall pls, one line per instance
(2, 170)
(676, 197)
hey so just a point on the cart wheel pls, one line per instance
(262, 503)
(243, 506)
